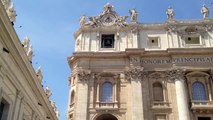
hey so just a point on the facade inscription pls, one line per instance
(178, 60)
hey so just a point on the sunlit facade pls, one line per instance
(141, 71)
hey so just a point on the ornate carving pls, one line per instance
(205, 11)
(161, 74)
(135, 73)
(107, 18)
(170, 13)
(135, 60)
(176, 73)
(26, 43)
(84, 76)
(6, 3)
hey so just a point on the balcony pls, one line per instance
(160, 105)
(106, 105)
(202, 106)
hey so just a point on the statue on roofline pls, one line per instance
(53, 105)
(26, 43)
(48, 92)
(6, 3)
(170, 13)
(108, 8)
(83, 21)
(205, 11)
(11, 14)
(134, 15)
(30, 53)
(39, 74)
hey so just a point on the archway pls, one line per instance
(106, 117)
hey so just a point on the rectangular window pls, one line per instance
(107, 41)
(4, 109)
(192, 40)
(153, 42)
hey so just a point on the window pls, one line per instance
(157, 92)
(198, 91)
(153, 42)
(107, 89)
(4, 109)
(107, 41)
(192, 40)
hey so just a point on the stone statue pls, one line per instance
(134, 15)
(11, 14)
(93, 21)
(48, 92)
(53, 105)
(6, 3)
(121, 21)
(39, 74)
(26, 44)
(57, 114)
(170, 13)
(108, 8)
(30, 53)
(82, 20)
(205, 11)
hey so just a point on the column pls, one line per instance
(182, 103)
(135, 75)
(82, 96)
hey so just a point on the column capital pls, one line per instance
(135, 73)
(176, 73)
(84, 76)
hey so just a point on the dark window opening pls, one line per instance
(204, 118)
(107, 41)
(4, 109)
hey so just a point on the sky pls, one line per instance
(50, 25)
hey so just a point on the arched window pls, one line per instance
(198, 91)
(157, 92)
(106, 95)
(72, 97)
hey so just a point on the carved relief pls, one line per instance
(176, 73)
(135, 73)
(107, 18)
(84, 76)
(157, 75)
(135, 60)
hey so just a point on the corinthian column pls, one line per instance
(82, 93)
(135, 75)
(178, 76)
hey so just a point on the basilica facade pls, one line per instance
(141, 71)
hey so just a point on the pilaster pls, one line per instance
(177, 75)
(83, 78)
(135, 76)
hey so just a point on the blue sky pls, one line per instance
(50, 25)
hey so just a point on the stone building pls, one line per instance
(21, 94)
(141, 71)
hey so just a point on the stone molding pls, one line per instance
(135, 73)
(83, 76)
(176, 73)
(158, 74)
